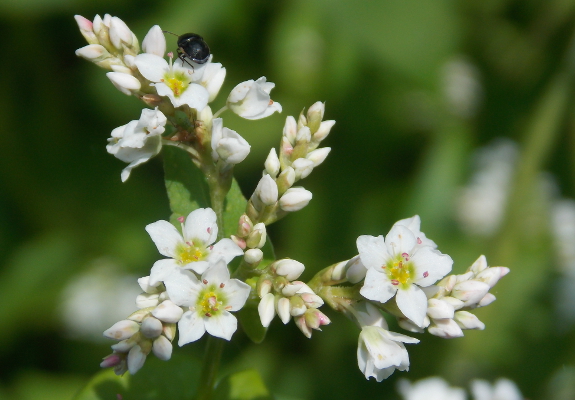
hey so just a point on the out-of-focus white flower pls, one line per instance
(177, 81)
(193, 250)
(209, 301)
(402, 263)
(154, 42)
(251, 99)
(481, 204)
(433, 388)
(228, 144)
(502, 389)
(461, 87)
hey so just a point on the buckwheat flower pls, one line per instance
(192, 250)
(433, 388)
(154, 42)
(175, 80)
(503, 389)
(227, 144)
(401, 264)
(208, 300)
(213, 79)
(251, 99)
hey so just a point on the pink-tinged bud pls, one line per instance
(120, 33)
(267, 190)
(470, 292)
(257, 237)
(253, 256)
(286, 150)
(302, 168)
(479, 265)
(125, 83)
(154, 42)
(136, 359)
(86, 29)
(492, 275)
(245, 226)
(445, 328)
(466, 320)
(292, 288)
(239, 241)
(302, 325)
(289, 268)
(312, 300)
(297, 306)
(283, 309)
(112, 360)
(264, 286)
(290, 129)
(93, 53)
(438, 309)
(168, 312)
(272, 163)
(162, 348)
(266, 309)
(294, 199)
(318, 156)
(486, 300)
(315, 115)
(323, 131)
(151, 327)
(122, 330)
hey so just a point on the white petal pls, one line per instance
(225, 249)
(223, 325)
(198, 267)
(217, 273)
(413, 303)
(162, 348)
(155, 42)
(400, 240)
(377, 286)
(430, 265)
(183, 287)
(136, 359)
(168, 312)
(166, 237)
(195, 96)
(201, 224)
(162, 269)
(266, 309)
(372, 251)
(237, 293)
(151, 66)
(191, 328)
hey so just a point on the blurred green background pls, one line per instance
(459, 111)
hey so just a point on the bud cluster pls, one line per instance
(251, 238)
(275, 194)
(280, 293)
(150, 329)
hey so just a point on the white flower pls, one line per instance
(251, 99)
(175, 80)
(138, 141)
(503, 389)
(209, 301)
(228, 144)
(433, 388)
(155, 41)
(402, 263)
(192, 251)
(380, 352)
(213, 78)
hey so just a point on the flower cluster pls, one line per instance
(435, 388)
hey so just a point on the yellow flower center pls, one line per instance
(192, 253)
(211, 301)
(177, 85)
(400, 270)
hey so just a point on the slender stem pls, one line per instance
(221, 110)
(214, 349)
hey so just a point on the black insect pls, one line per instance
(192, 47)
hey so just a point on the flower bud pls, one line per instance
(479, 265)
(168, 312)
(492, 275)
(455, 303)
(144, 283)
(120, 33)
(267, 190)
(111, 360)
(356, 271)
(486, 300)
(86, 29)
(466, 320)
(263, 287)
(228, 144)
(170, 331)
(289, 268)
(303, 136)
(285, 180)
(145, 300)
(302, 325)
(315, 318)
(125, 83)
(154, 42)
(286, 151)
(272, 163)
(122, 330)
(445, 328)
(318, 156)
(266, 309)
(294, 199)
(162, 348)
(468, 276)
(93, 53)
(410, 326)
(323, 131)
(245, 226)
(139, 315)
(315, 115)
(253, 256)
(136, 359)
(301, 121)
(470, 292)
(257, 237)
(297, 306)
(239, 241)
(290, 129)
(124, 346)
(312, 300)
(438, 309)
(338, 272)
(151, 327)
(283, 309)
(302, 167)
(448, 282)
(292, 288)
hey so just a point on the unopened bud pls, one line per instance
(323, 131)
(272, 163)
(93, 53)
(448, 282)
(445, 328)
(162, 348)
(470, 292)
(455, 303)
(263, 287)
(290, 129)
(153, 100)
(170, 331)
(292, 288)
(285, 180)
(253, 256)
(168, 312)
(283, 309)
(125, 83)
(145, 300)
(154, 42)
(318, 156)
(479, 265)
(120, 33)
(439, 309)
(486, 300)
(302, 167)
(257, 237)
(289, 268)
(122, 330)
(312, 300)
(267, 190)
(315, 115)
(286, 151)
(245, 226)
(301, 121)
(297, 306)
(338, 272)
(239, 241)
(355, 270)
(315, 318)
(112, 360)
(136, 359)
(294, 199)
(492, 275)
(151, 327)
(466, 320)
(86, 29)
(302, 325)
(266, 309)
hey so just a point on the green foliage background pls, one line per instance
(397, 150)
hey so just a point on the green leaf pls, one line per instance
(251, 324)
(175, 379)
(244, 385)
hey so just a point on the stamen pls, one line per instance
(222, 285)
(425, 274)
(181, 219)
(209, 230)
(205, 281)
(394, 282)
(406, 256)
(208, 314)
(419, 241)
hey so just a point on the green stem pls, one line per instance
(214, 349)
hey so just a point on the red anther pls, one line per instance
(205, 281)
(170, 54)
(209, 230)
(208, 314)
(222, 285)
(394, 282)
(425, 274)
(406, 256)
(181, 219)
(211, 247)
(228, 307)
(271, 102)
(189, 244)
(400, 264)
(419, 241)
(213, 301)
